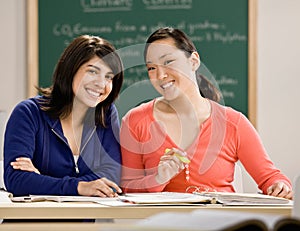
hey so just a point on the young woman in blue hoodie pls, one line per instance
(66, 140)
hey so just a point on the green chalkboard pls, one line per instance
(219, 29)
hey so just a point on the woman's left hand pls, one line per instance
(280, 189)
(100, 187)
(24, 164)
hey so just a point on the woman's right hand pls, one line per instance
(24, 164)
(100, 187)
(169, 166)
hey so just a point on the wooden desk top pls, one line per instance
(84, 210)
(72, 227)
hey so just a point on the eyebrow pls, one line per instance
(161, 57)
(98, 68)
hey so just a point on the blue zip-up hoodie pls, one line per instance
(31, 133)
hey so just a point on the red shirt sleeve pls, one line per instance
(254, 157)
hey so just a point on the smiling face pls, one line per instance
(171, 72)
(92, 83)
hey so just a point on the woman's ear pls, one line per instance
(195, 59)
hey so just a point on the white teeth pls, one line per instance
(93, 93)
(167, 85)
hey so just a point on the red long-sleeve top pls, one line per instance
(225, 137)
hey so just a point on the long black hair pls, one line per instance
(58, 100)
(182, 42)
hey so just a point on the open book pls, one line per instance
(5, 196)
(38, 198)
(124, 199)
(228, 198)
(164, 198)
(205, 198)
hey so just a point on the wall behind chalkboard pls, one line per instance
(218, 28)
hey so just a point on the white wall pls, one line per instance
(278, 77)
(279, 81)
(12, 58)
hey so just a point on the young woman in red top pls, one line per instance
(187, 121)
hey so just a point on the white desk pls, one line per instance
(84, 210)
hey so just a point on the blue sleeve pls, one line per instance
(21, 140)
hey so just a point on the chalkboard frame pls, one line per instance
(33, 64)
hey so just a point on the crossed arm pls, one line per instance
(101, 187)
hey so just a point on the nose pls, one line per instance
(161, 72)
(100, 82)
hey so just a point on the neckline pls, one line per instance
(195, 141)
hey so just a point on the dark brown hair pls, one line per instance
(182, 42)
(58, 98)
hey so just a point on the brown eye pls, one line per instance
(109, 77)
(168, 62)
(92, 72)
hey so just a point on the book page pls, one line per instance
(227, 198)
(5, 197)
(165, 198)
(55, 198)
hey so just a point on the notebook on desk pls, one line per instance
(226, 220)
(168, 198)
(249, 199)
(226, 199)
(158, 198)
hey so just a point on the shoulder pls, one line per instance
(26, 114)
(232, 116)
(113, 109)
(28, 106)
(112, 116)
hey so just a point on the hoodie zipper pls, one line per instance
(75, 162)
(76, 166)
